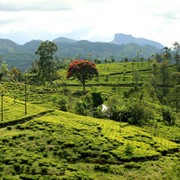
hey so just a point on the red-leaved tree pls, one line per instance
(83, 70)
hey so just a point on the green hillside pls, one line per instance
(22, 56)
(63, 133)
(61, 145)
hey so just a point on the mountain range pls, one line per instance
(120, 38)
(122, 46)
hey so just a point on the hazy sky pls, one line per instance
(94, 20)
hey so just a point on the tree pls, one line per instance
(4, 68)
(167, 54)
(175, 76)
(142, 60)
(154, 67)
(176, 47)
(177, 97)
(83, 70)
(15, 74)
(164, 75)
(46, 63)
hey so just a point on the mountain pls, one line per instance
(127, 39)
(31, 46)
(104, 50)
(63, 40)
(8, 46)
(22, 56)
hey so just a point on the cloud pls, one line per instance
(26, 5)
(94, 20)
(42, 5)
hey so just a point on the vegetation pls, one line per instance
(22, 56)
(83, 70)
(46, 63)
(124, 126)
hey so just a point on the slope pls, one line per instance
(62, 145)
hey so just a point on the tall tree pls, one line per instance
(164, 75)
(177, 97)
(46, 65)
(176, 47)
(167, 54)
(83, 70)
(175, 76)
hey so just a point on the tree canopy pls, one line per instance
(83, 70)
(46, 67)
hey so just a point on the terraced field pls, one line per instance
(61, 145)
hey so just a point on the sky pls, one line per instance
(94, 20)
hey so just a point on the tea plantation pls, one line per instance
(62, 145)
(60, 133)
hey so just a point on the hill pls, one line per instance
(22, 56)
(63, 145)
(127, 39)
(47, 143)
(63, 40)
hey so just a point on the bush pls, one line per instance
(168, 116)
(97, 99)
(80, 108)
(137, 113)
(134, 112)
(62, 104)
(130, 165)
(9, 127)
(97, 112)
(129, 149)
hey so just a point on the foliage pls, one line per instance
(15, 110)
(83, 70)
(46, 67)
(80, 107)
(60, 102)
(66, 146)
(168, 116)
(97, 99)
(132, 111)
(177, 96)
(61, 145)
(176, 78)
(176, 47)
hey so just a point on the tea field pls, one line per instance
(62, 145)
(39, 141)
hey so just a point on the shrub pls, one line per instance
(168, 116)
(97, 99)
(9, 127)
(97, 112)
(62, 104)
(136, 112)
(129, 149)
(80, 107)
(103, 168)
(130, 165)
(17, 167)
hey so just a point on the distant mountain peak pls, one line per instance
(121, 38)
(64, 40)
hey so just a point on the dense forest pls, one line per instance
(91, 117)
